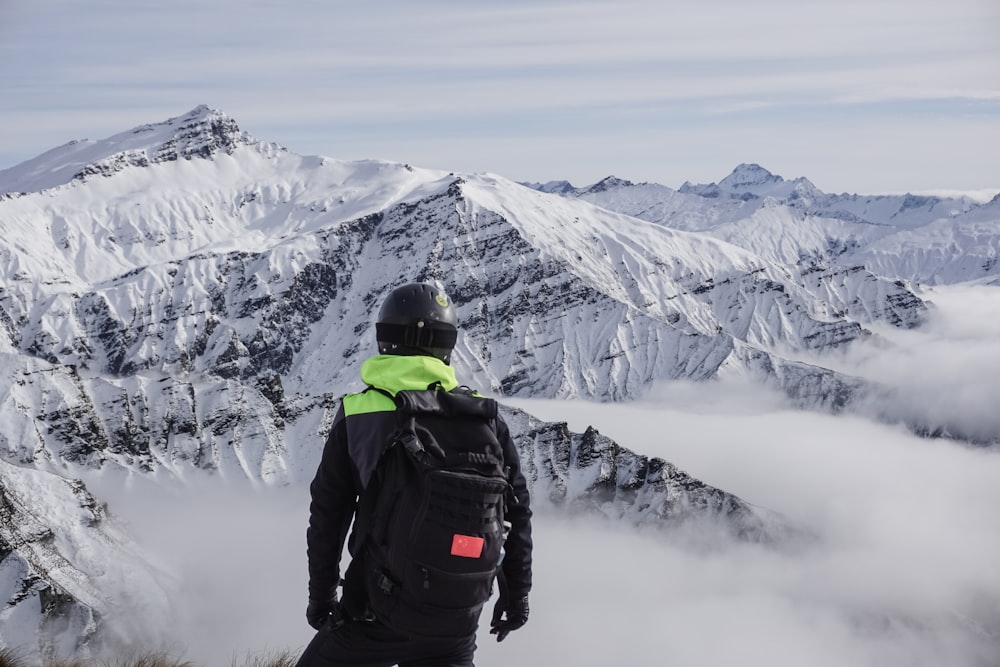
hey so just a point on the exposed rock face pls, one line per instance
(590, 473)
(200, 134)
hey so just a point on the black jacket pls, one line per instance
(356, 439)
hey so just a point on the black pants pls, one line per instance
(371, 644)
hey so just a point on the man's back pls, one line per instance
(430, 525)
(416, 333)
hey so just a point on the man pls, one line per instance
(416, 332)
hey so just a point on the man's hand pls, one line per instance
(318, 611)
(509, 614)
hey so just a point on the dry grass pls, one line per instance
(157, 659)
(11, 658)
(154, 659)
(268, 659)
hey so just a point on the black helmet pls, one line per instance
(417, 318)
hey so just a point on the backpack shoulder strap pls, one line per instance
(369, 495)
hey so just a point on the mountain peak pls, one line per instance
(608, 183)
(748, 176)
(750, 181)
(552, 187)
(199, 133)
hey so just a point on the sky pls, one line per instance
(861, 96)
(901, 572)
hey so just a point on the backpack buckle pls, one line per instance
(385, 584)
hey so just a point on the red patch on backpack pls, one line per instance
(466, 546)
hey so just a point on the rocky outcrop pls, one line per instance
(63, 566)
(592, 474)
(200, 133)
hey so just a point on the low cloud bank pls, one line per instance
(235, 555)
(943, 377)
(902, 571)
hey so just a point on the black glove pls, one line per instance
(515, 608)
(318, 611)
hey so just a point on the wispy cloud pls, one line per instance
(359, 81)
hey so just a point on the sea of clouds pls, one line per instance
(901, 568)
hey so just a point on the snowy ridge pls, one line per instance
(588, 472)
(918, 239)
(200, 133)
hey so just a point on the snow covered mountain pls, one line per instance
(917, 239)
(182, 296)
(237, 261)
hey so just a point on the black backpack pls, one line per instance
(430, 525)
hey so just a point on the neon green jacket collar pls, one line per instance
(397, 373)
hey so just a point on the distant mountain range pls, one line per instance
(184, 296)
(918, 239)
